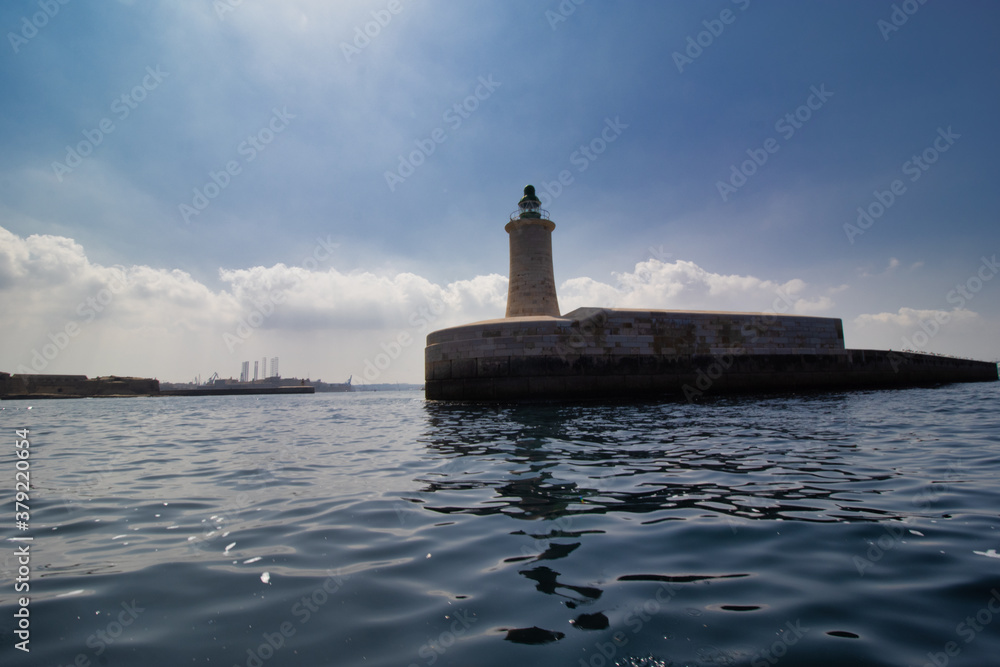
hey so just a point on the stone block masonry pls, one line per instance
(617, 352)
(532, 289)
(610, 332)
(534, 353)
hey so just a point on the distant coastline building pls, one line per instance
(27, 386)
(536, 353)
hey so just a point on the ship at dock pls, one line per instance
(35, 386)
(271, 385)
(333, 386)
(260, 382)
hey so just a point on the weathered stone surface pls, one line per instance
(592, 352)
(536, 353)
(532, 287)
(75, 386)
(694, 377)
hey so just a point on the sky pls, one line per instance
(187, 185)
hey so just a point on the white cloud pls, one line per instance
(684, 285)
(908, 318)
(72, 315)
(818, 305)
(76, 316)
(959, 332)
(362, 300)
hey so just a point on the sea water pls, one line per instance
(855, 528)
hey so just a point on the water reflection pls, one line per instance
(579, 471)
(668, 460)
(547, 581)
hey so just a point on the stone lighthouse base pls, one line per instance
(594, 352)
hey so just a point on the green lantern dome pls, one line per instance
(530, 205)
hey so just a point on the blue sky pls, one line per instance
(287, 117)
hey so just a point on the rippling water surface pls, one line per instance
(381, 529)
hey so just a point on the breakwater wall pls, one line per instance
(234, 390)
(618, 352)
(74, 386)
(80, 386)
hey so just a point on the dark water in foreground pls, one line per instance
(379, 529)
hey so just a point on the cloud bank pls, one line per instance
(77, 316)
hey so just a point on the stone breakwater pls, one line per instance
(14, 387)
(618, 352)
(74, 386)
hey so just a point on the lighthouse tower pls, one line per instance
(532, 288)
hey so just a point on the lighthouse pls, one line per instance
(532, 288)
(536, 353)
